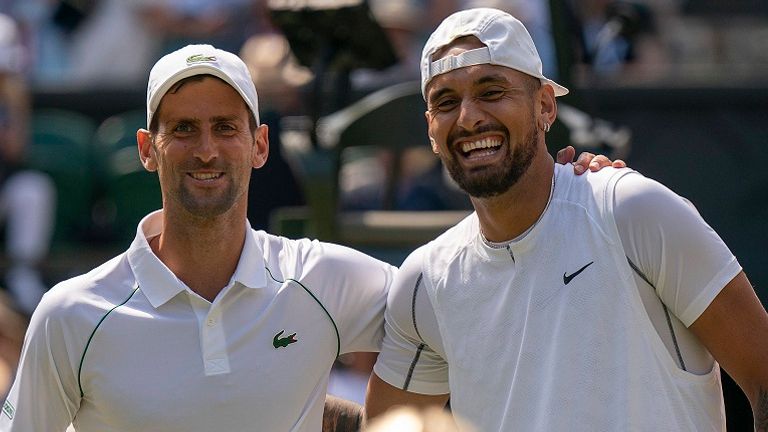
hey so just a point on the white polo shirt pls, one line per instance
(129, 347)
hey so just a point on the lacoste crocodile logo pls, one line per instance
(8, 410)
(200, 58)
(278, 342)
(567, 278)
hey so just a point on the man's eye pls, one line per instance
(446, 104)
(183, 127)
(492, 94)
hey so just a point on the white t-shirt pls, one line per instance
(556, 331)
(129, 347)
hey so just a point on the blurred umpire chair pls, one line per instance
(332, 38)
(127, 192)
(61, 147)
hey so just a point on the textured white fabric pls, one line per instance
(519, 349)
(163, 359)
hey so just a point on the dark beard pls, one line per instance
(494, 181)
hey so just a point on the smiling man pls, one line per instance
(600, 302)
(203, 324)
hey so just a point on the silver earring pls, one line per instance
(546, 127)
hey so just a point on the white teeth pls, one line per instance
(206, 176)
(483, 143)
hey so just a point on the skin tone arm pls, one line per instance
(734, 328)
(341, 415)
(386, 396)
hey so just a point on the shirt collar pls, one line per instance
(159, 284)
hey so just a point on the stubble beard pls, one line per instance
(492, 181)
(207, 207)
(211, 203)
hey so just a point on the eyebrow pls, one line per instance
(215, 119)
(485, 79)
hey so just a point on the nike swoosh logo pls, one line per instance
(279, 342)
(567, 278)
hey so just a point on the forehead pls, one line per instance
(202, 92)
(471, 75)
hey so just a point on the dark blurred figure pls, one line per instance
(280, 78)
(26, 196)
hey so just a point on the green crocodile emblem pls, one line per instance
(8, 410)
(278, 342)
(200, 58)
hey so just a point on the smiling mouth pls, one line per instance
(481, 148)
(205, 176)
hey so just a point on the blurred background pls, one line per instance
(677, 88)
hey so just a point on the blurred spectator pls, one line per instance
(13, 325)
(535, 14)
(26, 197)
(623, 42)
(113, 46)
(278, 78)
(402, 21)
(222, 23)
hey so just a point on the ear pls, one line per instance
(432, 142)
(261, 146)
(548, 107)
(144, 140)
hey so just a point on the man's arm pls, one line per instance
(382, 396)
(341, 415)
(734, 328)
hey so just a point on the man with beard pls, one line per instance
(600, 302)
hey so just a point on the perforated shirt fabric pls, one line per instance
(129, 347)
(560, 338)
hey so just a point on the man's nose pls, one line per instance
(207, 148)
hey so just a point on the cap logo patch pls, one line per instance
(200, 58)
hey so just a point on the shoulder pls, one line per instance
(88, 295)
(438, 254)
(638, 199)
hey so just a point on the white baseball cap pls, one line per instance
(199, 60)
(507, 43)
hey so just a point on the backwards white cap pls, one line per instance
(507, 43)
(199, 60)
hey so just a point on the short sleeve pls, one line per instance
(669, 242)
(44, 395)
(354, 289)
(412, 354)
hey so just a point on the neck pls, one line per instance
(202, 252)
(507, 216)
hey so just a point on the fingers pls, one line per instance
(566, 155)
(582, 163)
(587, 160)
(599, 162)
